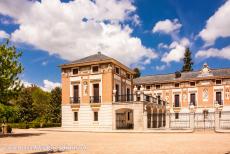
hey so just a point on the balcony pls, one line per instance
(124, 98)
(193, 103)
(75, 103)
(74, 100)
(95, 99)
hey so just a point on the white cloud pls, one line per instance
(4, 34)
(217, 25)
(26, 83)
(177, 50)
(160, 68)
(213, 52)
(163, 46)
(78, 28)
(167, 26)
(49, 85)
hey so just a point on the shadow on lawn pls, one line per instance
(20, 135)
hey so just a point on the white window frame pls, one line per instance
(119, 70)
(92, 69)
(73, 69)
(219, 80)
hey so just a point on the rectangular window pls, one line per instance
(95, 116)
(176, 115)
(177, 85)
(75, 116)
(177, 101)
(95, 69)
(148, 87)
(158, 86)
(75, 71)
(138, 87)
(117, 70)
(218, 81)
(192, 84)
(128, 76)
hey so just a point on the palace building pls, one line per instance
(99, 93)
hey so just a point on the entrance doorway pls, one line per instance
(124, 119)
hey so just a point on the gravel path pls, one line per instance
(115, 143)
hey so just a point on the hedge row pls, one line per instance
(33, 125)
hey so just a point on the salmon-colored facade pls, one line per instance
(99, 93)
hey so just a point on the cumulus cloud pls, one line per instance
(49, 85)
(4, 34)
(78, 28)
(167, 26)
(26, 83)
(163, 46)
(217, 25)
(213, 52)
(177, 50)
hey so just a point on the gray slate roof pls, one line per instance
(186, 76)
(96, 57)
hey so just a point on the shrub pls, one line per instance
(19, 125)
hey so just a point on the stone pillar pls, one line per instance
(114, 95)
(167, 116)
(191, 116)
(217, 119)
(145, 120)
(135, 94)
(162, 119)
(142, 93)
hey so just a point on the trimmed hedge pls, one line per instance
(33, 125)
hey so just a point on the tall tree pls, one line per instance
(25, 106)
(54, 109)
(10, 68)
(40, 103)
(137, 72)
(187, 67)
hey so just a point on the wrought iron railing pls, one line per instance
(74, 100)
(95, 99)
(124, 98)
(220, 102)
(193, 103)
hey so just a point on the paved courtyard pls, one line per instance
(114, 143)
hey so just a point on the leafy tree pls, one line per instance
(137, 72)
(54, 109)
(187, 67)
(8, 113)
(40, 103)
(25, 106)
(10, 68)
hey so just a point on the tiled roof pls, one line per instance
(151, 79)
(96, 57)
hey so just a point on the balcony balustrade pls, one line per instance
(95, 99)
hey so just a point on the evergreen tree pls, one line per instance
(137, 73)
(187, 67)
(10, 68)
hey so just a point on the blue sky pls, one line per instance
(145, 33)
